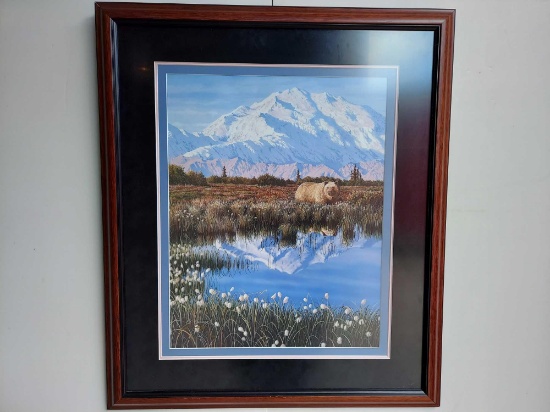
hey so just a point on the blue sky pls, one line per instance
(196, 100)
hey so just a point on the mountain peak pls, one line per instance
(289, 127)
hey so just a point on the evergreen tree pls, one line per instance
(224, 172)
(355, 175)
(298, 177)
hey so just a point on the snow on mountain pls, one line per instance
(318, 133)
(180, 142)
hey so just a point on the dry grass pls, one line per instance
(203, 214)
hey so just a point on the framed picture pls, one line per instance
(274, 198)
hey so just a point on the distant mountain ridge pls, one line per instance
(317, 133)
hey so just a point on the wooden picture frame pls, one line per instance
(132, 39)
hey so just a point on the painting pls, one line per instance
(275, 190)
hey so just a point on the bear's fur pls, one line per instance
(321, 193)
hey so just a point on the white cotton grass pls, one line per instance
(217, 314)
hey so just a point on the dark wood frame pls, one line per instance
(106, 16)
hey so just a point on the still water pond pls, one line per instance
(316, 265)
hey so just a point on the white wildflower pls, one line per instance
(197, 328)
(326, 295)
(283, 345)
(228, 305)
(347, 311)
(256, 300)
(305, 299)
(279, 294)
(212, 291)
(336, 324)
(314, 311)
(216, 324)
(356, 318)
(285, 300)
(276, 342)
(286, 332)
(274, 296)
(369, 334)
(298, 319)
(322, 306)
(240, 329)
(339, 341)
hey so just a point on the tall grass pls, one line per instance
(203, 220)
(202, 316)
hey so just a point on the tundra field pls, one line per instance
(204, 213)
(205, 315)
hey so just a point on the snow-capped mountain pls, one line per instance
(181, 142)
(317, 133)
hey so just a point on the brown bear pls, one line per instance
(321, 193)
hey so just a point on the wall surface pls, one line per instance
(497, 287)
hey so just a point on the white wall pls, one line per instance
(496, 346)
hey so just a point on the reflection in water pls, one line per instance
(314, 264)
